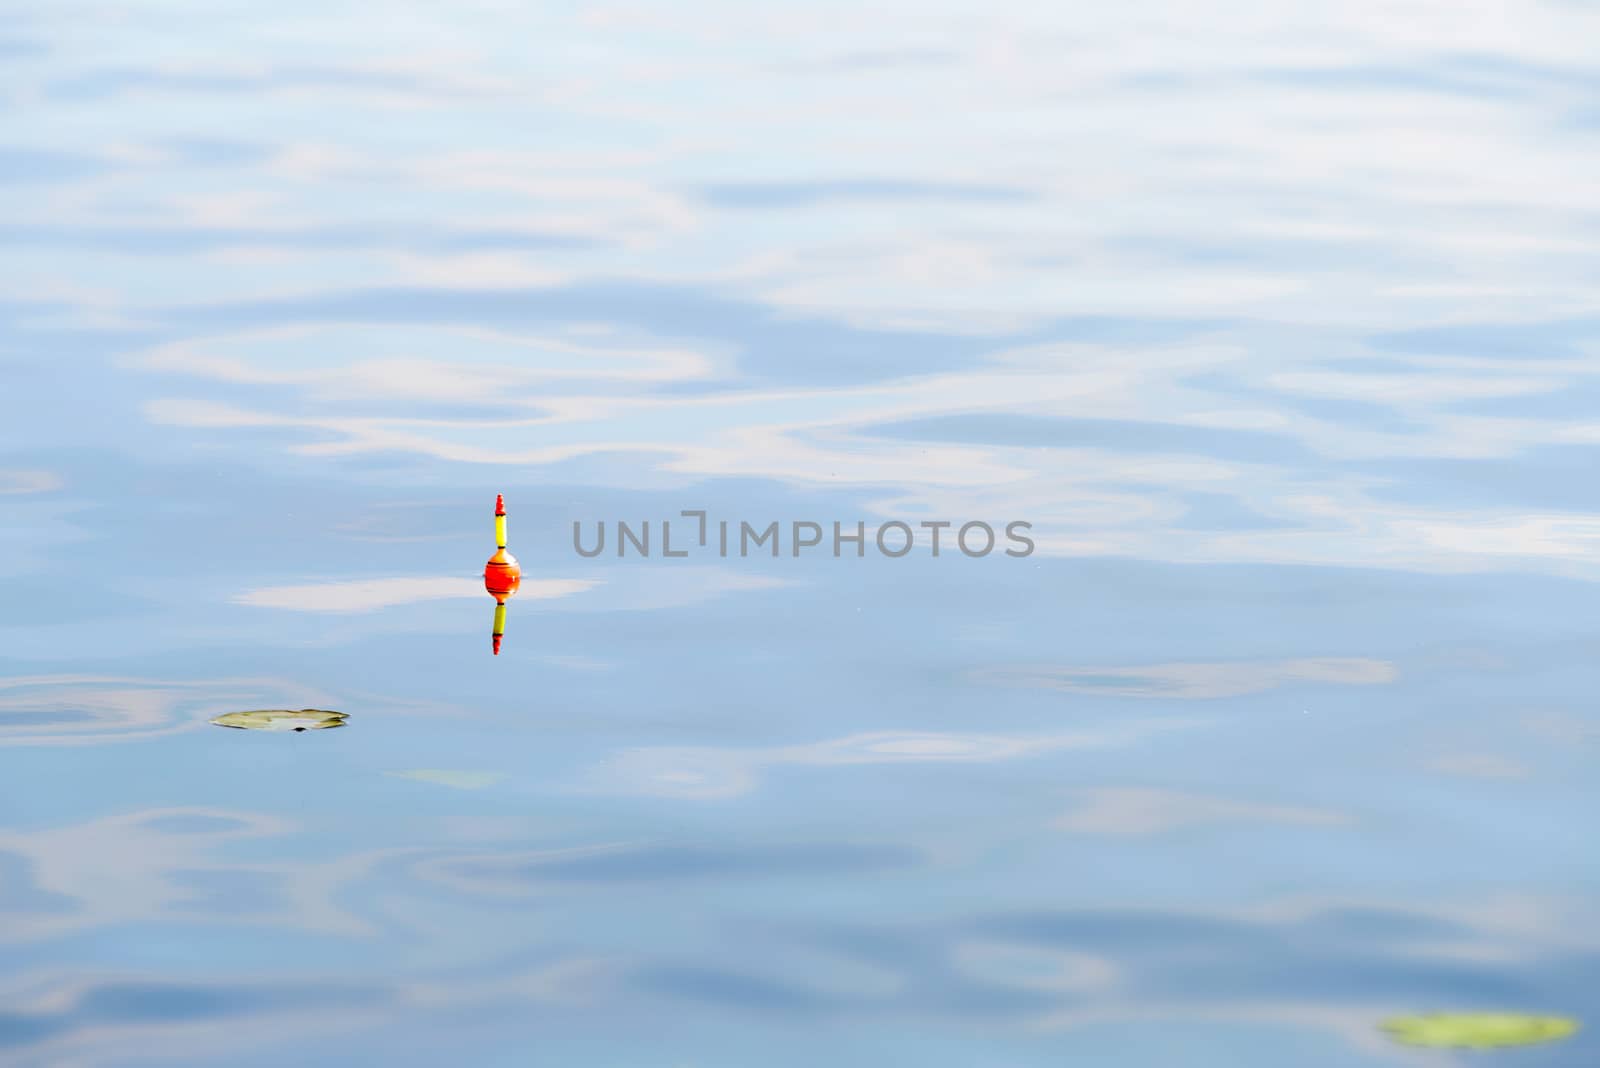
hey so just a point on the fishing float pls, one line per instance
(502, 574)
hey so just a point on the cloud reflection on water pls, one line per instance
(1196, 681)
(1275, 328)
(710, 772)
(1132, 810)
(71, 710)
(368, 595)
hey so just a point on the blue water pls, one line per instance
(1279, 330)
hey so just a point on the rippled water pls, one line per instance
(1278, 327)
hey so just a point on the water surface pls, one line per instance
(1279, 330)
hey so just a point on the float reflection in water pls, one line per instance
(502, 574)
(282, 719)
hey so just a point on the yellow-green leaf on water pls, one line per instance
(282, 719)
(461, 780)
(1478, 1030)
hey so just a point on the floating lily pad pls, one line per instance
(1478, 1030)
(282, 719)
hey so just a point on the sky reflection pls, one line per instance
(1275, 329)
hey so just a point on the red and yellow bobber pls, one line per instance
(502, 574)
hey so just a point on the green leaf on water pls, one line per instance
(1478, 1030)
(282, 719)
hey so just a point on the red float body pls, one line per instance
(502, 575)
